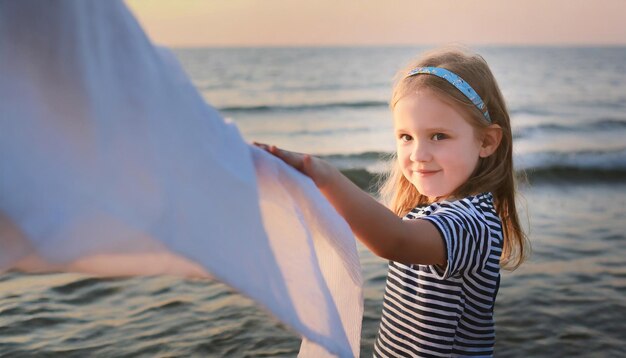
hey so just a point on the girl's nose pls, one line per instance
(420, 152)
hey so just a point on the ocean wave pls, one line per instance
(301, 107)
(358, 156)
(533, 111)
(568, 174)
(316, 132)
(603, 124)
(581, 166)
(606, 160)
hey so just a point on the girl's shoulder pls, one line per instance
(481, 203)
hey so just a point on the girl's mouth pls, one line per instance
(426, 172)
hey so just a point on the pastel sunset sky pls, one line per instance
(196, 23)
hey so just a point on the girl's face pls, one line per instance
(437, 148)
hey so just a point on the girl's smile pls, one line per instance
(424, 173)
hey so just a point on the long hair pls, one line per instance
(494, 173)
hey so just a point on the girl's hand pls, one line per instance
(315, 168)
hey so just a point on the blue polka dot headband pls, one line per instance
(457, 82)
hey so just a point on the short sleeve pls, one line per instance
(465, 235)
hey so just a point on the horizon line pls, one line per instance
(494, 45)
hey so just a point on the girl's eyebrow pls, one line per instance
(439, 129)
(430, 129)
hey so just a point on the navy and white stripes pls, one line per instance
(442, 312)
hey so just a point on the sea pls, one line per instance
(568, 112)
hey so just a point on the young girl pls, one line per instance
(453, 186)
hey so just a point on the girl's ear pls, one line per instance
(491, 140)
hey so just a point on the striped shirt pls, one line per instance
(433, 311)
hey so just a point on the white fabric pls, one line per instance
(111, 163)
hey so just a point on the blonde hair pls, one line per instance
(494, 173)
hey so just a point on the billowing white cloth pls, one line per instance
(112, 163)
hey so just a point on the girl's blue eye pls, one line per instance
(438, 136)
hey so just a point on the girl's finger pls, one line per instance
(272, 149)
(261, 145)
(283, 154)
(294, 159)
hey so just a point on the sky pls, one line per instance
(200, 23)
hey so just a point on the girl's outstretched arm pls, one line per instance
(384, 233)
